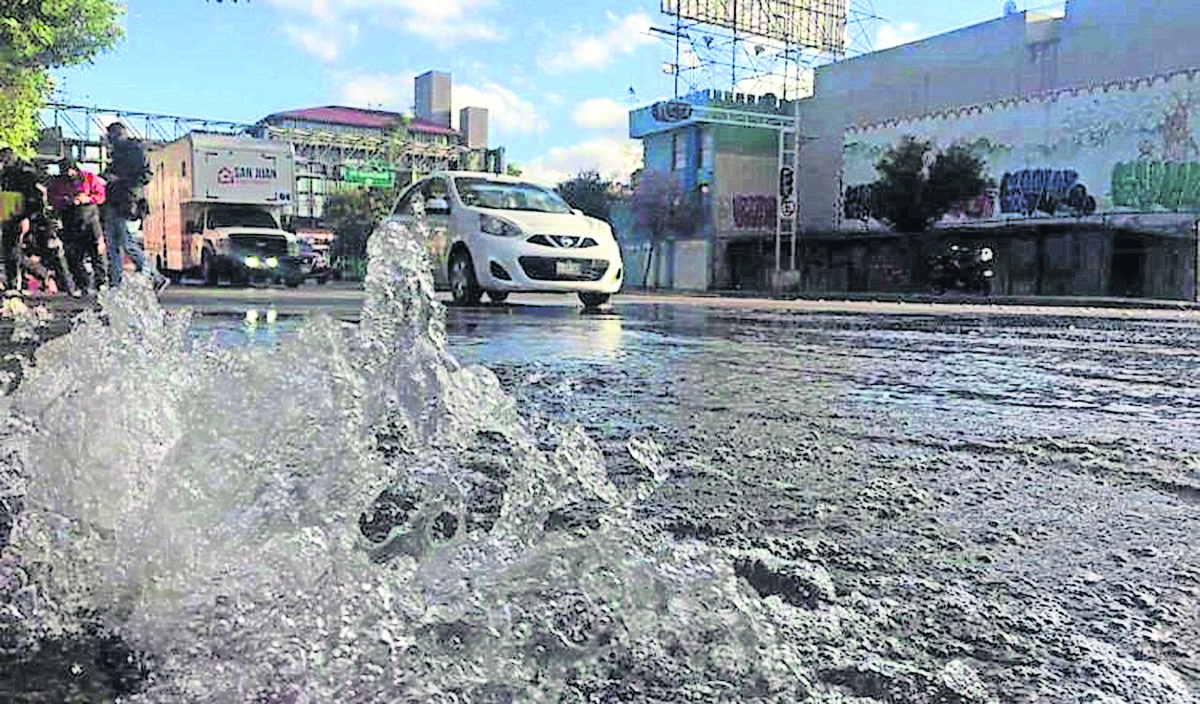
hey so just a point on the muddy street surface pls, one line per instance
(954, 504)
(1017, 493)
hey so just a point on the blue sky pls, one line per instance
(554, 75)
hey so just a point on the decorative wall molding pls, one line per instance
(1130, 84)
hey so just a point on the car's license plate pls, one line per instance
(568, 268)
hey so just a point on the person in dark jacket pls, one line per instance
(125, 203)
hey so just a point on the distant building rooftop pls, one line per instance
(357, 117)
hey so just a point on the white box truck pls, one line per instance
(216, 204)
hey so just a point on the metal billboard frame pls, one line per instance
(819, 25)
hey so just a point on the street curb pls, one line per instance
(950, 299)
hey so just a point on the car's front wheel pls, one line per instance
(592, 299)
(463, 287)
(208, 268)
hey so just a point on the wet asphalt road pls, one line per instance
(986, 377)
(1007, 484)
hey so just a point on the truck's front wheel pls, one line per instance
(208, 268)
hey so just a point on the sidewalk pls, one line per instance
(930, 299)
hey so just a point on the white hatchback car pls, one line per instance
(499, 235)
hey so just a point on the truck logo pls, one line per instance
(257, 173)
(225, 176)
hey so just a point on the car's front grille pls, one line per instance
(548, 268)
(259, 246)
(563, 241)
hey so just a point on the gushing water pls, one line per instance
(352, 515)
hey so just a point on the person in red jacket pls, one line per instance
(76, 196)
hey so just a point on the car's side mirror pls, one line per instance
(437, 206)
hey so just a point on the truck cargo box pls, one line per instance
(218, 168)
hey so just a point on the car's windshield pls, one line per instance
(499, 195)
(240, 216)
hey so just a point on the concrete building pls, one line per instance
(473, 126)
(722, 149)
(1087, 121)
(432, 96)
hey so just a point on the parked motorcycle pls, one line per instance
(963, 269)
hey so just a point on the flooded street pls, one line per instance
(1021, 491)
(929, 506)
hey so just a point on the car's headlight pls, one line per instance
(252, 262)
(272, 262)
(500, 227)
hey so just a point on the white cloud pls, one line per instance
(624, 36)
(890, 35)
(600, 114)
(326, 43)
(378, 90)
(613, 157)
(507, 112)
(322, 27)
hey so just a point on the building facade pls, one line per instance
(1087, 121)
(722, 149)
(341, 147)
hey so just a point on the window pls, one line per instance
(499, 195)
(677, 153)
(403, 206)
(240, 216)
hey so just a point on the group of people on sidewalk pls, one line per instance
(51, 240)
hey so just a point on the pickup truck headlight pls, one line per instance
(500, 227)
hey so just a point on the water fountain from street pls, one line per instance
(352, 515)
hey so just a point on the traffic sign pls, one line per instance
(369, 177)
(788, 207)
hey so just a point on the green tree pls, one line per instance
(589, 193)
(353, 214)
(513, 170)
(663, 207)
(917, 187)
(37, 36)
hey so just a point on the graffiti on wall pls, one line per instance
(1046, 190)
(858, 204)
(1149, 182)
(754, 212)
(1131, 145)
